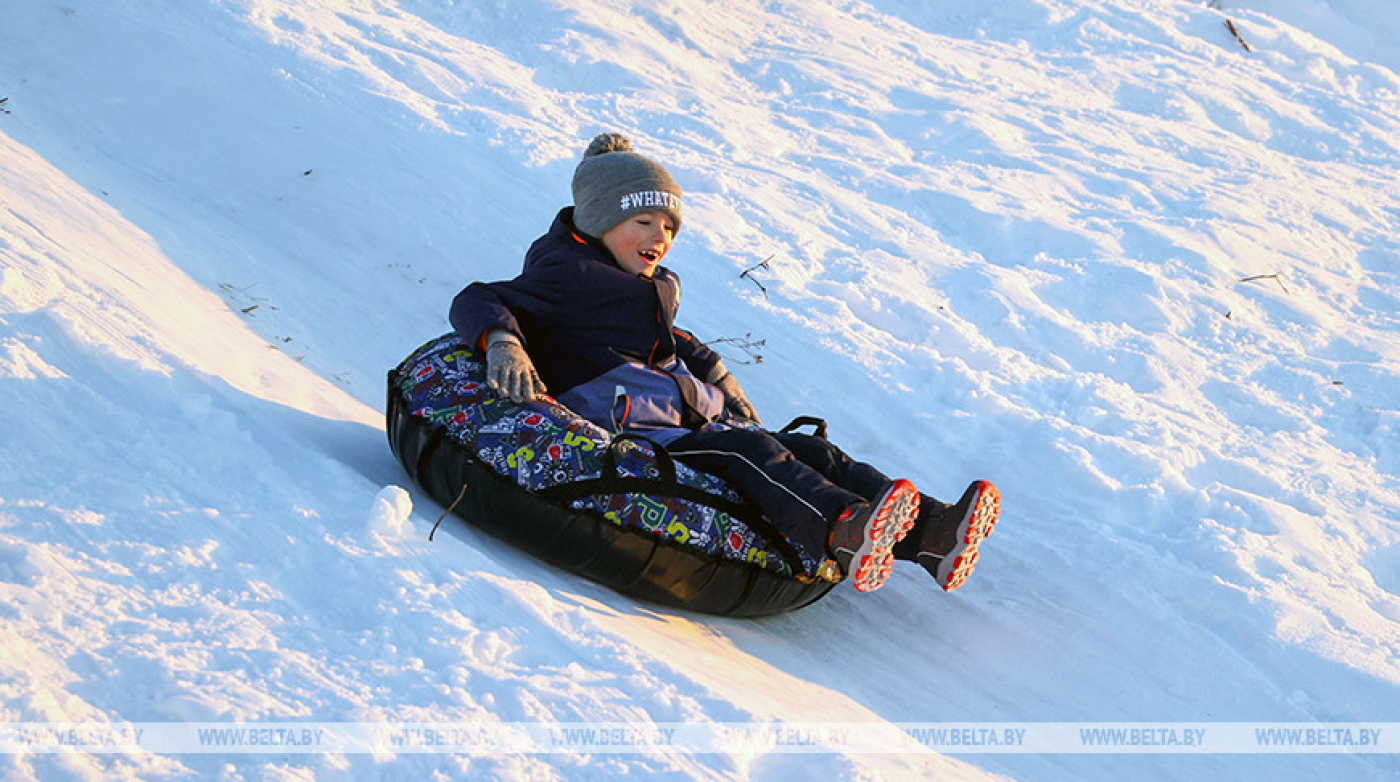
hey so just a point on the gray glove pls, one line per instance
(735, 402)
(509, 370)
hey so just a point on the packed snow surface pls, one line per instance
(1144, 278)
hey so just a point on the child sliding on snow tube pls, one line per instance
(591, 318)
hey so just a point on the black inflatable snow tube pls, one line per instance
(631, 561)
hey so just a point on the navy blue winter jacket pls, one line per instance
(603, 340)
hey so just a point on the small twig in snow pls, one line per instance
(1273, 277)
(745, 343)
(763, 264)
(438, 523)
(1235, 31)
(230, 288)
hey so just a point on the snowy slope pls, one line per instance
(1145, 280)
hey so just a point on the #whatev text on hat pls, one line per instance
(613, 183)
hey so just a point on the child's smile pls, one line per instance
(640, 242)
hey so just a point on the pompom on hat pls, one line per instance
(613, 183)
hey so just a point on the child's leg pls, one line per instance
(947, 540)
(821, 455)
(799, 500)
(931, 511)
(945, 537)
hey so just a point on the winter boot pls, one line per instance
(862, 537)
(948, 548)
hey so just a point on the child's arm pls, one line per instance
(509, 370)
(699, 358)
(489, 315)
(705, 363)
(734, 400)
(478, 311)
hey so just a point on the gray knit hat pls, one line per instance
(613, 183)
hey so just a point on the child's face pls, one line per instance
(641, 241)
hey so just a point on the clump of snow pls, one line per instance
(389, 513)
